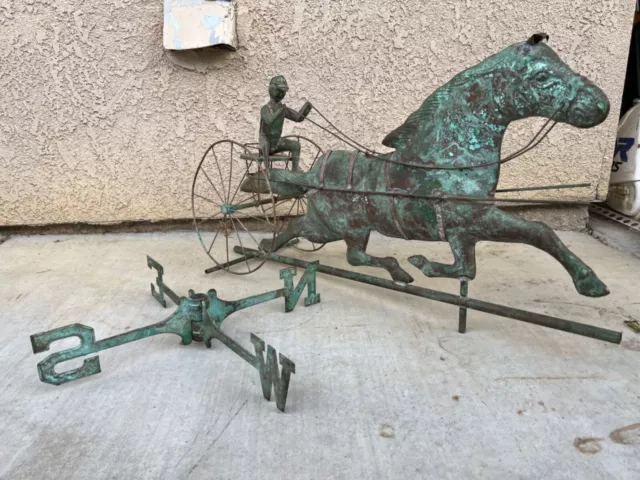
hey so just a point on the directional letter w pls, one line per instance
(269, 374)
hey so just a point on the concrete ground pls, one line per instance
(615, 235)
(385, 387)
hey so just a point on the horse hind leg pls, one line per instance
(357, 256)
(306, 226)
(292, 231)
(463, 248)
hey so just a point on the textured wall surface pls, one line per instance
(99, 124)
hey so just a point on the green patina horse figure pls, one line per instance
(450, 146)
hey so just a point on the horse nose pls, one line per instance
(603, 106)
(598, 100)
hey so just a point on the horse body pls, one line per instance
(449, 146)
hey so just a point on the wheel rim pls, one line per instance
(310, 152)
(217, 201)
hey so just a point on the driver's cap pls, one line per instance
(279, 81)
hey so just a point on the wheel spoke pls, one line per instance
(282, 201)
(266, 179)
(208, 218)
(252, 197)
(214, 239)
(272, 222)
(207, 199)
(245, 229)
(241, 246)
(315, 159)
(218, 165)
(290, 210)
(226, 240)
(214, 187)
(238, 187)
(230, 175)
(259, 219)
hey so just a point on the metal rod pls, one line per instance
(462, 311)
(543, 187)
(257, 203)
(256, 157)
(487, 307)
(235, 347)
(461, 198)
(223, 266)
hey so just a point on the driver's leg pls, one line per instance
(264, 149)
(289, 145)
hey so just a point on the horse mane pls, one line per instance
(402, 137)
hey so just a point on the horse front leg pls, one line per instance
(499, 226)
(357, 256)
(463, 248)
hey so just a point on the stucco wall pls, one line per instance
(99, 124)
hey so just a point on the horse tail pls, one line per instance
(288, 183)
(283, 183)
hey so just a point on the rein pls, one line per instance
(533, 143)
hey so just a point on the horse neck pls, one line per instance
(469, 129)
(465, 131)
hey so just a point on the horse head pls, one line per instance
(536, 82)
(472, 110)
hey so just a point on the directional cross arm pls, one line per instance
(268, 370)
(178, 323)
(198, 317)
(220, 309)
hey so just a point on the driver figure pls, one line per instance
(272, 117)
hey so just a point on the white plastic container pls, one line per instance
(624, 183)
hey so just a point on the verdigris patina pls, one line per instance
(272, 117)
(438, 184)
(199, 318)
(440, 181)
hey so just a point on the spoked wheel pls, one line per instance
(225, 216)
(310, 153)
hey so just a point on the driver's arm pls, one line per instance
(298, 116)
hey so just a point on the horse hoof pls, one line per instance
(420, 262)
(265, 245)
(590, 285)
(402, 277)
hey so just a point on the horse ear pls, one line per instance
(537, 38)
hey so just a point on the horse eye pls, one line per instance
(543, 77)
